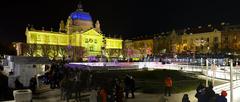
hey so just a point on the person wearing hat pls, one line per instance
(222, 98)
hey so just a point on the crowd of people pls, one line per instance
(82, 81)
(75, 81)
(207, 94)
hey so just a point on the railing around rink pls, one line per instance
(226, 86)
(221, 72)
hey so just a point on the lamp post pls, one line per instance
(213, 71)
(231, 81)
(207, 67)
(103, 48)
(201, 64)
(207, 72)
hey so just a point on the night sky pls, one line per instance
(128, 18)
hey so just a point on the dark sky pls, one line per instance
(126, 17)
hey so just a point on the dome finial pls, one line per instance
(79, 6)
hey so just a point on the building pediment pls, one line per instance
(91, 32)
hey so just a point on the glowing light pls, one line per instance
(80, 15)
(113, 43)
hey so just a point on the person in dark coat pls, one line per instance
(222, 98)
(200, 88)
(119, 91)
(132, 86)
(185, 98)
(33, 84)
(3, 85)
(202, 97)
(129, 85)
(18, 84)
(210, 94)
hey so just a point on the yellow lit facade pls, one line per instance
(202, 42)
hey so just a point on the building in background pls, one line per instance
(230, 39)
(203, 40)
(200, 40)
(77, 39)
(138, 49)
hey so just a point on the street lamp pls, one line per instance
(201, 64)
(207, 67)
(103, 48)
(206, 72)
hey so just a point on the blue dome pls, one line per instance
(80, 15)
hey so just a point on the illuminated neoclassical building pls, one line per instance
(77, 38)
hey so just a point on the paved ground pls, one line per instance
(53, 96)
(48, 95)
(141, 97)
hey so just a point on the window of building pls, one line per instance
(95, 40)
(184, 41)
(39, 38)
(91, 48)
(86, 40)
(226, 39)
(185, 48)
(215, 39)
